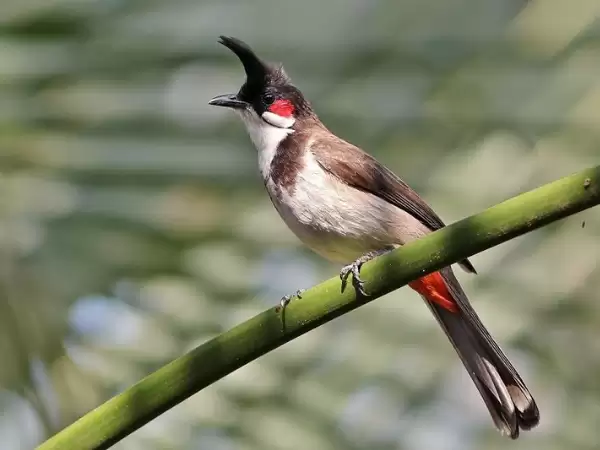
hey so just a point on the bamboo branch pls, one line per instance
(178, 380)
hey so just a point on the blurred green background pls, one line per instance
(134, 225)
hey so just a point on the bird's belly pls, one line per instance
(339, 222)
(339, 244)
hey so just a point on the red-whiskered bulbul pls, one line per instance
(346, 207)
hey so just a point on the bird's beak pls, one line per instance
(229, 101)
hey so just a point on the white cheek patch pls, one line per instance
(278, 121)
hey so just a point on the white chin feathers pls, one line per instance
(277, 120)
(266, 133)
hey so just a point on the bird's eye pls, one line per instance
(268, 98)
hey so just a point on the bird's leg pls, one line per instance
(286, 299)
(354, 269)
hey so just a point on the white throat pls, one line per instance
(266, 137)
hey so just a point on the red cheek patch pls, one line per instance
(282, 107)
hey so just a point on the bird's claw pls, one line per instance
(357, 281)
(286, 299)
(354, 269)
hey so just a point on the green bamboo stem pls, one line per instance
(178, 380)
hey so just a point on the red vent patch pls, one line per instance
(282, 107)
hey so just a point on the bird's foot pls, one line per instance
(357, 281)
(284, 302)
(286, 299)
(354, 269)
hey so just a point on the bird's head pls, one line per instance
(267, 98)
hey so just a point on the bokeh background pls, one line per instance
(134, 226)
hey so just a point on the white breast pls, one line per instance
(337, 221)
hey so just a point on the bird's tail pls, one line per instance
(507, 398)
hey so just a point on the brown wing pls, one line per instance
(342, 159)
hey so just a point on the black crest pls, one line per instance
(257, 70)
(265, 82)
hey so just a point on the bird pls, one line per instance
(348, 207)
